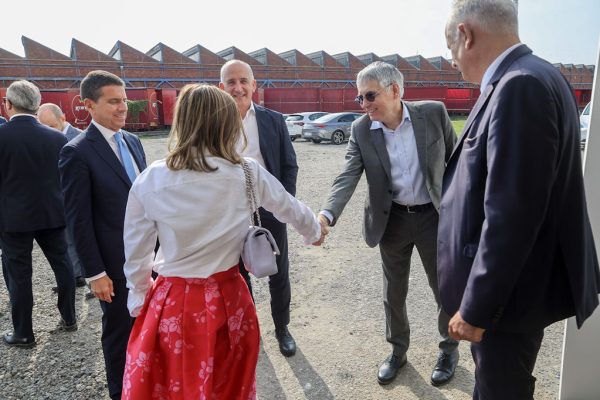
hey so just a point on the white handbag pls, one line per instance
(260, 248)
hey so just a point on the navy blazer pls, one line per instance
(96, 187)
(30, 196)
(276, 147)
(515, 246)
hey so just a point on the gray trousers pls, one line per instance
(405, 231)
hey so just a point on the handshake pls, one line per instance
(324, 222)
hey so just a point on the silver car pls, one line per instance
(584, 123)
(331, 127)
(295, 122)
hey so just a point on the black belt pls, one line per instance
(413, 209)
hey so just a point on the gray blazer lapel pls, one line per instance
(420, 131)
(376, 136)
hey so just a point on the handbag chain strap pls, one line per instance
(250, 194)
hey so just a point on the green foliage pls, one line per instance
(135, 107)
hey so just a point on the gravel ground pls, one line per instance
(337, 320)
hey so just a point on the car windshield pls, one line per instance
(294, 118)
(326, 118)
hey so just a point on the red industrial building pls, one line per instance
(288, 82)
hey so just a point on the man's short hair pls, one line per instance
(498, 16)
(53, 108)
(234, 61)
(24, 96)
(383, 73)
(94, 81)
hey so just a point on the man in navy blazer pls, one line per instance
(515, 246)
(31, 209)
(51, 115)
(96, 180)
(268, 142)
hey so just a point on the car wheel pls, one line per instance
(337, 137)
(316, 140)
(292, 139)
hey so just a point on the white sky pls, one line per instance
(557, 30)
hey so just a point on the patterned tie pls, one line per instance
(126, 158)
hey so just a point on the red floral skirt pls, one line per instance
(194, 339)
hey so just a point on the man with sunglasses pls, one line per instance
(402, 147)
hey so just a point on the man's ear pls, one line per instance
(465, 29)
(89, 104)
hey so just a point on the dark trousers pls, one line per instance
(504, 365)
(16, 252)
(116, 326)
(404, 231)
(279, 284)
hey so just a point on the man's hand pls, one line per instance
(324, 229)
(102, 288)
(459, 329)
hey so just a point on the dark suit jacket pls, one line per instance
(72, 132)
(276, 147)
(30, 196)
(515, 246)
(96, 188)
(366, 151)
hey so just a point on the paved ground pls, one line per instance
(337, 320)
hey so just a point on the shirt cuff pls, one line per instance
(135, 302)
(327, 215)
(93, 278)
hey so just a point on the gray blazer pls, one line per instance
(366, 151)
(72, 132)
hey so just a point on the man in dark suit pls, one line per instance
(402, 148)
(32, 209)
(97, 169)
(51, 115)
(269, 143)
(515, 248)
(2, 120)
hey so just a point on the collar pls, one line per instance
(107, 133)
(251, 111)
(23, 115)
(405, 118)
(491, 70)
(67, 125)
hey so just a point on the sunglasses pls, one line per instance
(369, 96)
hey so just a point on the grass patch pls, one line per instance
(458, 123)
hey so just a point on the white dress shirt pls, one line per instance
(201, 220)
(408, 182)
(252, 149)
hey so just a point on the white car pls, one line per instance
(295, 122)
(584, 124)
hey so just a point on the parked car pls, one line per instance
(331, 127)
(584, 124)
(295, 122)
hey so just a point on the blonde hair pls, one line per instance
(206, 123)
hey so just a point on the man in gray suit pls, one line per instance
(51, 115)
(402, 147)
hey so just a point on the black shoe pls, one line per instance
(64, 327)
(389, 369)
(287, 344)
(80, 281)
(444, 368)
(12, 339)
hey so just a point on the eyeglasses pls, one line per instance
(369, 96)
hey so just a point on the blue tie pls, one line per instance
(126, 158)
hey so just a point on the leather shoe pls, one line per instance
(287, 344)
(64, 327)
(12, 339)
(444, 368)
(389, 369)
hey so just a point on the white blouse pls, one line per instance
(201, 220)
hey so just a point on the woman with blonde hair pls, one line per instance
(196, 335)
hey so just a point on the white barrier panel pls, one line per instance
(580, 372)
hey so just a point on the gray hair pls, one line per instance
(24, 96)
(383, 73)
(499, 16)
(232, 62)
(53, 108)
